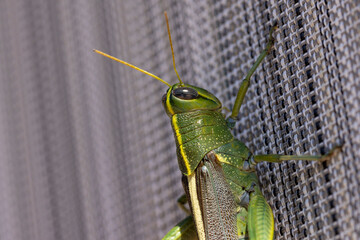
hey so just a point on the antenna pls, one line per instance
(132, 66)
(172, 50)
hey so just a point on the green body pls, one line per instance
(219, 176)
(204, 141)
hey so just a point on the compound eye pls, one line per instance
(185, 93)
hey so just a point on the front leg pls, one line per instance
(246, 81)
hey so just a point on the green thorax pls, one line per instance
(197, 133)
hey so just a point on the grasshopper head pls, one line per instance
(187, 98)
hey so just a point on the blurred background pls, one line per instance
(87, 152)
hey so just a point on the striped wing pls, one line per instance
(211, 200)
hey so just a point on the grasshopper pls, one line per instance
(218, 171)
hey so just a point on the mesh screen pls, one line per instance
(87, 151)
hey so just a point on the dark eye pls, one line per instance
(185, 93)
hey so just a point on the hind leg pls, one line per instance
(260, 218)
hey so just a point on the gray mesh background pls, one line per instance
(86, 151)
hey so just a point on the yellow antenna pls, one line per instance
(172, 50)
(132, 66)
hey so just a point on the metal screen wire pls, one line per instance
(87, 151)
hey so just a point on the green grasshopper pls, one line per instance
(219, 175)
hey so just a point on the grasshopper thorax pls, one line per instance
(182, 98)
